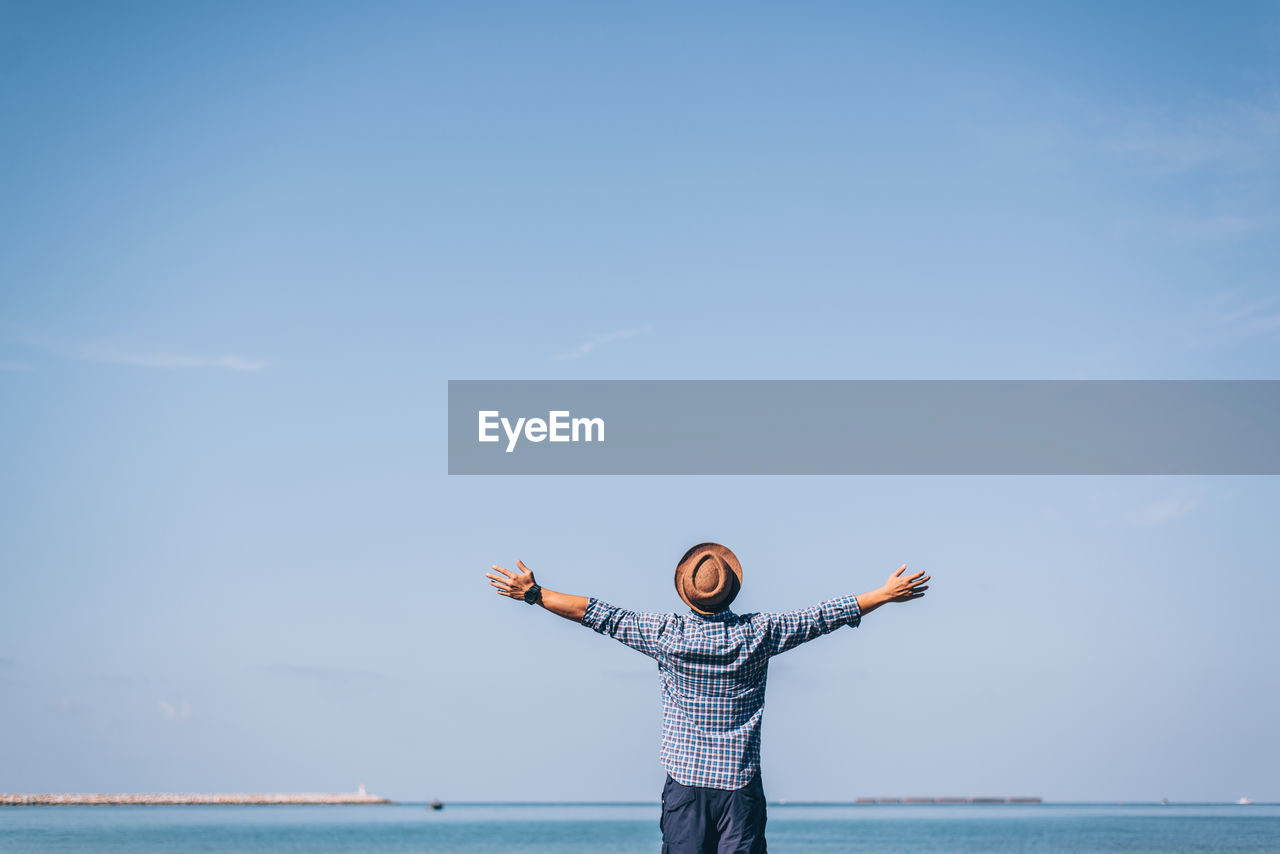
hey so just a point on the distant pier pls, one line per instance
(180, 799)
(980, 800)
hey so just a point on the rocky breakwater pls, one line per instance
(175, 799)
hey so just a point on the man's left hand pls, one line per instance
(513, 584)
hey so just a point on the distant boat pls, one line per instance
(1244, 802)
(436, 804)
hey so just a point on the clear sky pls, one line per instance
(246, 245)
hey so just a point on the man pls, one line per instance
(713, 665)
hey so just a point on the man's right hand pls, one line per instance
(903, 589)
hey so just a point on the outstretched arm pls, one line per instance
(515, 584)
(896, 589)
(789, 630)
(639, 631)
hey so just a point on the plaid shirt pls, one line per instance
(713, 669)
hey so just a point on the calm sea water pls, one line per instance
(622, 829)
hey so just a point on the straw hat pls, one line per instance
(708, 577)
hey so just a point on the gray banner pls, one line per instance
(864, 427)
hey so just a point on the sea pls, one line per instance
(627, 828)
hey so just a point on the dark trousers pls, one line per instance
(698, 820)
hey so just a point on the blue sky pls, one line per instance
(246, 247)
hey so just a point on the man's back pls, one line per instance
(713, 671)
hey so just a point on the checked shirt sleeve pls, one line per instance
(793, 628)
(638, 630)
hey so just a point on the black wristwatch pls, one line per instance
(533, 595)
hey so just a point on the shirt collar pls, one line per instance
(717, 617)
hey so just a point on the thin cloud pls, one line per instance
(1231, 150)
(1263, 323)
(1243, 313)
(1224, 154)
(1232, 316)
(1172, 150)
(108, 356)
(597, 340)
(67, 706)
(1257, 319)
(1238, 137)
(1166, 510)
(172, 712)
